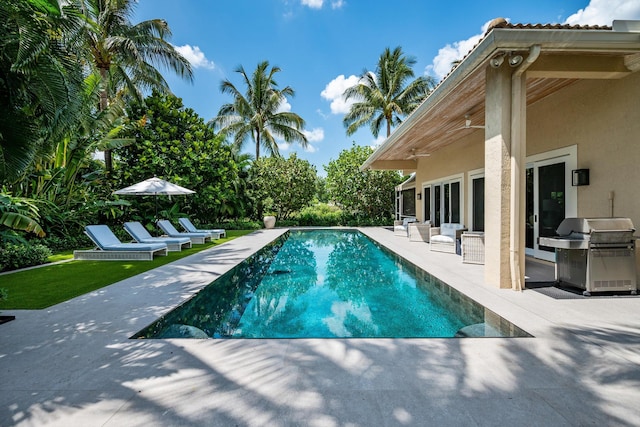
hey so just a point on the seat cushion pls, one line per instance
(135, 247)
(449, 229)
(442, 238)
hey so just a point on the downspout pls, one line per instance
(518, 158)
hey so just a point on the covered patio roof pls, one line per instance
(567, 54)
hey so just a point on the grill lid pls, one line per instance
(588, 225)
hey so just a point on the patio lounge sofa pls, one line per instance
(197, 238)
(141, 235)
(190, 228)
(110, 248)
(401, 228)
(444, 238)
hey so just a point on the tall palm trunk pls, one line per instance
(257, 144)
(104, 104)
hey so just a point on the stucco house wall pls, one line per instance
(603, 118)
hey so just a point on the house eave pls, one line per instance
(510, 40)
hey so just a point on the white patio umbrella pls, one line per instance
(154, 187)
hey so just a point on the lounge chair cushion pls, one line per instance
(104, 238)
(168, 228)
(138, 232)
(190, 228)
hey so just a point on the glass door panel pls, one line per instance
(551, 200)
(437, 205)
(478, 204)
(426, 196)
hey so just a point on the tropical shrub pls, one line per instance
(174, 143)
(60, 244)
(234, 224)
(283, 185)
(17, 214)
(320, 214)
(367, 195)
(17, 256)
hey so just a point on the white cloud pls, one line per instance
(333, 92)
(283, 146)
(337, 4)
(314, 135)
(195, 56)
(313, 4)
(603, 12)
(378, 141)
(443, 62)
(284, 107)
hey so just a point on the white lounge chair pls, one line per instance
(141, 235)
(190, 228)
(110, 248)
(197, 238)
(401, 228)
(444, 238)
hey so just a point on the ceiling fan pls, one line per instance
(467, 124)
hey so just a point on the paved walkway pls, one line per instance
(73, 364)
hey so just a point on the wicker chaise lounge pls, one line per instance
(171, 231)
(190, 228)
(110, 248)
(141, 235)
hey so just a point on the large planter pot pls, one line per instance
(269, 221)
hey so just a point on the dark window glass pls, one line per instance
(409, 202)
(478, 204)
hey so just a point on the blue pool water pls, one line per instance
(328, 284)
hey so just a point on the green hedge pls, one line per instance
(61, 244)
(13, 257)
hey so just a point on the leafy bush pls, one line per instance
(237, 224)
(60, 244)
(283, 185)
(321, 214)
(4, 294)
(369, 193)
(13, 257)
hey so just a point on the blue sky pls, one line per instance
(323, 45)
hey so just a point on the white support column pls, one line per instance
(497, 160)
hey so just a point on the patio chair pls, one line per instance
(401, 228)
(190, 228)
(141, 235)
(446, 237)
(171, 231)
(110, 248)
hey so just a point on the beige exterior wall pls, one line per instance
(459, 158)
(602, 117)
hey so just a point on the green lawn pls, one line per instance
(46, 286)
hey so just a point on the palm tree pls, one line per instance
(40, 81)
(255, 115)
(386, 96)
(126, 55)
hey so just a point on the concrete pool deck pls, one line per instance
(74, 364)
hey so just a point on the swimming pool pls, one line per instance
(328, 283)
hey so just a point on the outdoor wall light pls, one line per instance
(497, 60)
(419, 195)
(515, 60)
(579, 177)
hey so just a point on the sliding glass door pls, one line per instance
(443, 202)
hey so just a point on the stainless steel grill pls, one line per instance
(595, 254)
